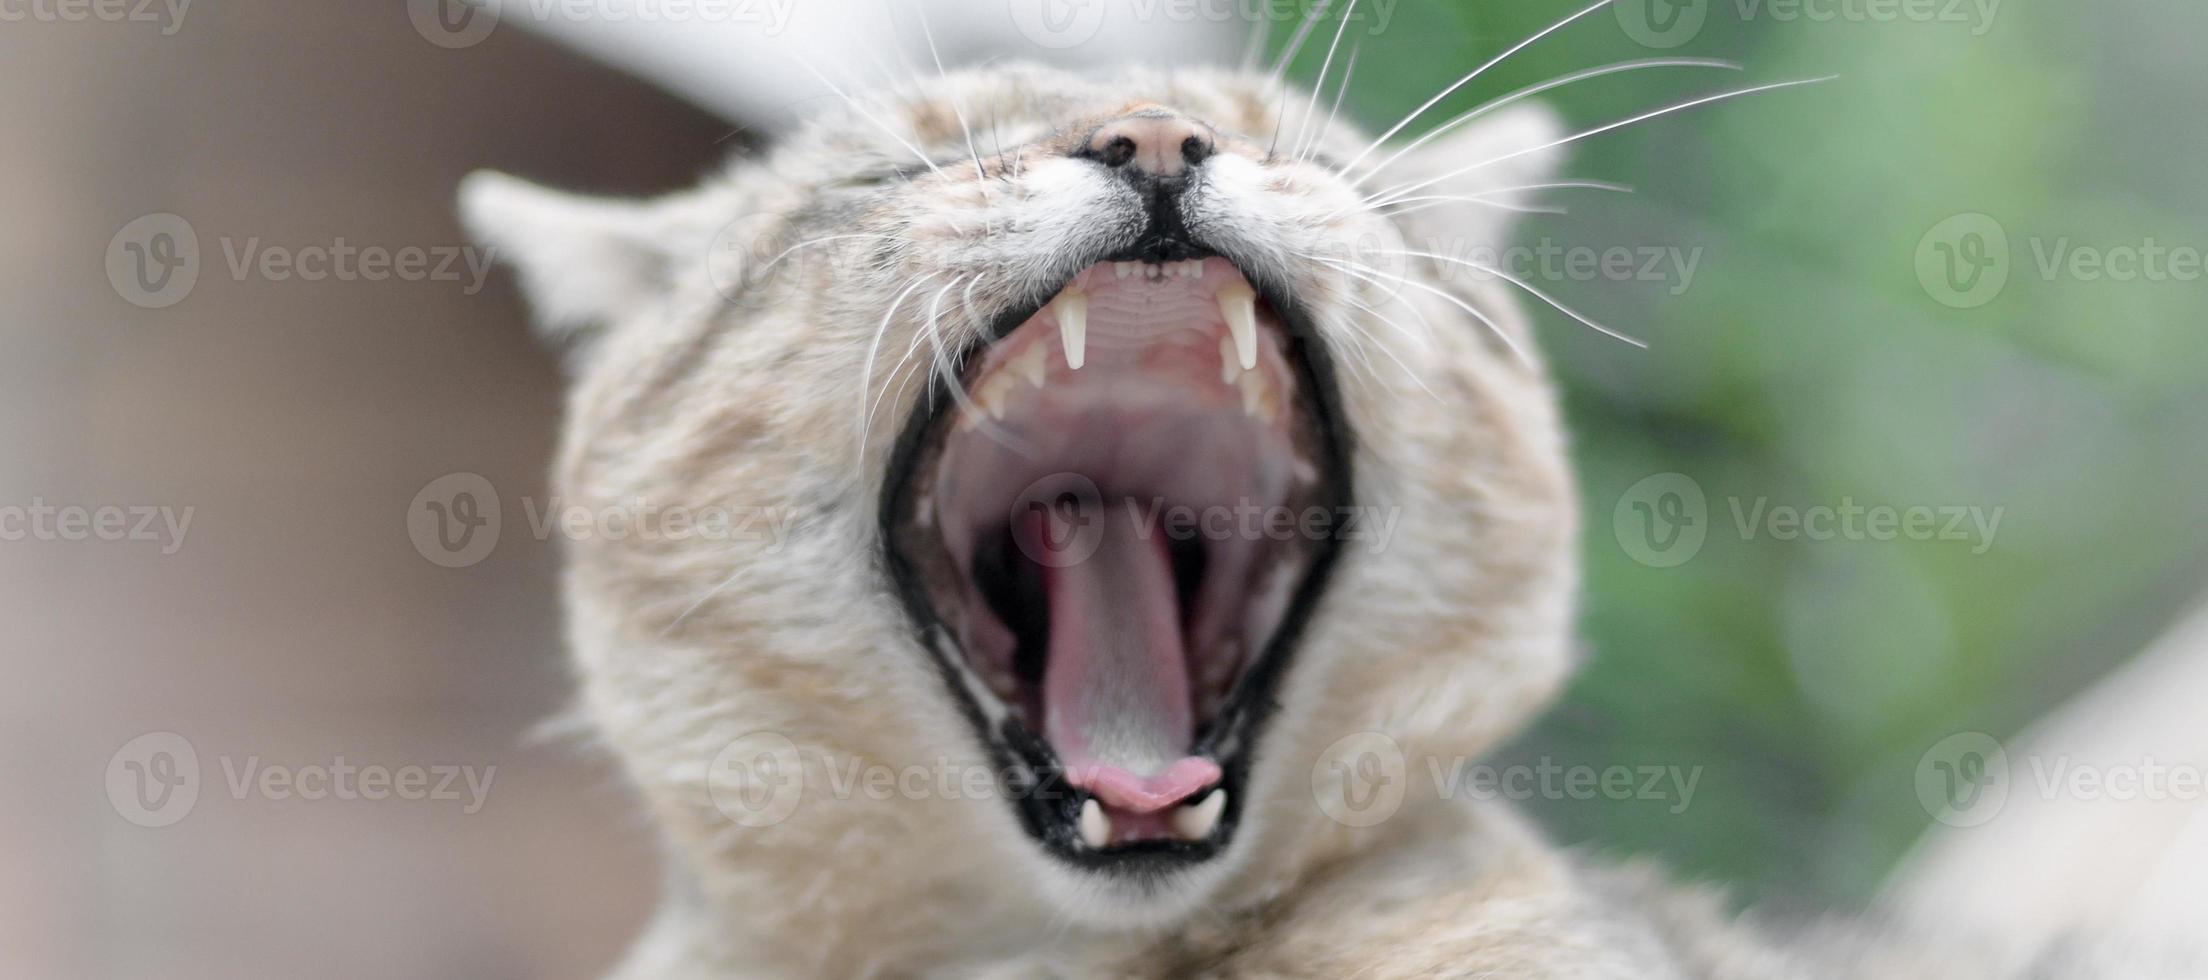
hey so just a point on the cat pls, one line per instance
(1147, 461)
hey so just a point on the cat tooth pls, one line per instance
(1123, 269)
(1096, 828)
(1230, 367)
(1193, 269)
(1196, 822)
(1238, 304)
(1033, 364)
(1073, 326)
(1253, 395)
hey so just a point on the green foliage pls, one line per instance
(1806, 363)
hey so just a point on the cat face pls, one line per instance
(1124, 461)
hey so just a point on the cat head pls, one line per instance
(1088, 481)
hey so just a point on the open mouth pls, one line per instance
(1100, 533)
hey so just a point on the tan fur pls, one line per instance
(692, 391)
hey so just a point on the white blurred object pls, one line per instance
(2055, 858)
(753, 61)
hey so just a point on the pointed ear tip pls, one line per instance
(487, 200)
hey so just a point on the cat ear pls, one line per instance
(1506, 151)
(583, 262)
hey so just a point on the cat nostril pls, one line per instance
(1117, 153)
(1195, 150)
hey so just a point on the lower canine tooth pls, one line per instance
(1073, 326)
(1196, 822)
(1096, 828)
(1238, 305)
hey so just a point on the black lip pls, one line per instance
(1047, 807)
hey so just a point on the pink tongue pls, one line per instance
(1115, 687)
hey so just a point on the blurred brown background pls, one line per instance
(297, 622)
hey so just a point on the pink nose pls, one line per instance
(1154, 141)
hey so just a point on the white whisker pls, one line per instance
(957, 109)
(866, 374)
(1303, 128)
(1466, 80)
(1533, 90)
(868, 116)
(1348, 72)
(1528, 287)
(1353, 268)
(1389, 194)
(1280, 69)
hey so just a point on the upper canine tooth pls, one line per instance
(1197, 821)
(1238, 304)
(1096, 828)
(1073, 326)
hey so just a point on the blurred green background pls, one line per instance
(1807, 362)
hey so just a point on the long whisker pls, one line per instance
(1254, 48)
(1303, 33)
(1438, 200)
(1528, 287)
(1533, 90)
(957, 109)
(785, 253)
(874, 350)
(1393, 192)
(870, 117)
(1303, 129)
(1488, 197)
(1399, 328)
(1360, 270)
(1462, 82)
(1280, 70)
(1348, 72)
